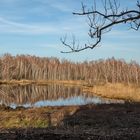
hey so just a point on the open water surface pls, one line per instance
(48, 95)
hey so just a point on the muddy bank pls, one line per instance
(47, 135)
(104, 122)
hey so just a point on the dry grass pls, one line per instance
(42, 82)
(116, 91)
(34, 117)
(22, 118)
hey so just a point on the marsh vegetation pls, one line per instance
(61, 96)
(109, 78)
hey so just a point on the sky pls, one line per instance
(35, 27)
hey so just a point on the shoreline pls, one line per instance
(119, 91)
(104, 121)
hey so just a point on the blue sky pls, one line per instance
(35, 27)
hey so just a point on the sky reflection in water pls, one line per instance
(49, 95)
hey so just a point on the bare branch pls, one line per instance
(102, 22)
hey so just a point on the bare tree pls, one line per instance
(92, 72)
(102, 21)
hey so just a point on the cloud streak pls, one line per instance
(33, 26)
(8, 26)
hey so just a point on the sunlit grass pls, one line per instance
(34, 117)
(129, 92)
(22, 119)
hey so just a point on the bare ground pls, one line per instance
(90, 122)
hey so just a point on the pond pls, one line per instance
(48, 95)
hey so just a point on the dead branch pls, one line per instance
(100, 22)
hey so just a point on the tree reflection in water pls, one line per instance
(48, 95)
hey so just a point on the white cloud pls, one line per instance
(62, 5)
(50, 46)
(7, 26)
(127, 34)
(58, 28)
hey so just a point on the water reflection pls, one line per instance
(48, 95)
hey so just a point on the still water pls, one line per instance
(48, 95)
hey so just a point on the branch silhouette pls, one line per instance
(101, 22)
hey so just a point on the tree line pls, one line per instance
(42, 68)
